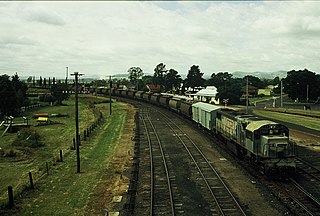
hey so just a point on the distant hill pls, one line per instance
(261, 75)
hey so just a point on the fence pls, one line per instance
(38, 173)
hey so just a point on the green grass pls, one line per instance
(309, 122)
(14, 171)
(37, 90)
(260, 99)
(296, 111)
(65, 189)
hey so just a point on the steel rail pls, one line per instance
(212, 168)
(165, 167)
(312, 167)
(151, 169)
(300, 188)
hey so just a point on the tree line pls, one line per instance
(13, 93)
(301, 85)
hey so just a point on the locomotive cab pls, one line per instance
(276, 146)
(269, 142)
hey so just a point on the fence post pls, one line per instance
(31, 181)
(84, 135)
(10, 196)
(61, 160)
(74, 143)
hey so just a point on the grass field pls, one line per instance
(309, 122)
(63, 187)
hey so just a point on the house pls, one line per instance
(208, 94)
(153, 88)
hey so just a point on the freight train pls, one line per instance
(262, 142)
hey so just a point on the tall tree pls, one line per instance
(218, 79)
(194, 77)
(40, 81)
(160, 72)
(172, 80)
(20, 89)
(59, 92)
(254, 81)
(8, 102)
(12, 94)
(302, 85)
(135, 73)
(29, 80)
(231, 90)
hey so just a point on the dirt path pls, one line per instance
(114, 182)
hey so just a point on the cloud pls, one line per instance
(16, 41)
(43, 15)
(109, 37)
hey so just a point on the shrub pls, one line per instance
(28, 137)
(46, 98)
(10, 153)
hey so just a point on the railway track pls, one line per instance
(195, 187)
(301, 193)
(308, 185)
(307, 169)
(161, 192)
(164, 196)
(223, 200)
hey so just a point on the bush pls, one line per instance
(10, 153)
(46, 98)
(28, 137)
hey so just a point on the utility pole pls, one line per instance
(281, 97)
(247, 95)
(76, 75)
(110, 93)
(67, 75)
(307, 93)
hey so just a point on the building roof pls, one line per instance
(209, 91)
(205, 106)
(153, 87)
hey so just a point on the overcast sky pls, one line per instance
(105, 38)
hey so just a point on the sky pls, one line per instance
(104, 38)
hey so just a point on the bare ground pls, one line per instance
(114, 182)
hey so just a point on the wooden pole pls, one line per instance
(74, 143)
(31, 180)
(76, 74)
(61, 159)
(10, 196)
(110, 94)
(247, 95)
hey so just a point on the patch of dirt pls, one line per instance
(114, 181)
(305, 139)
